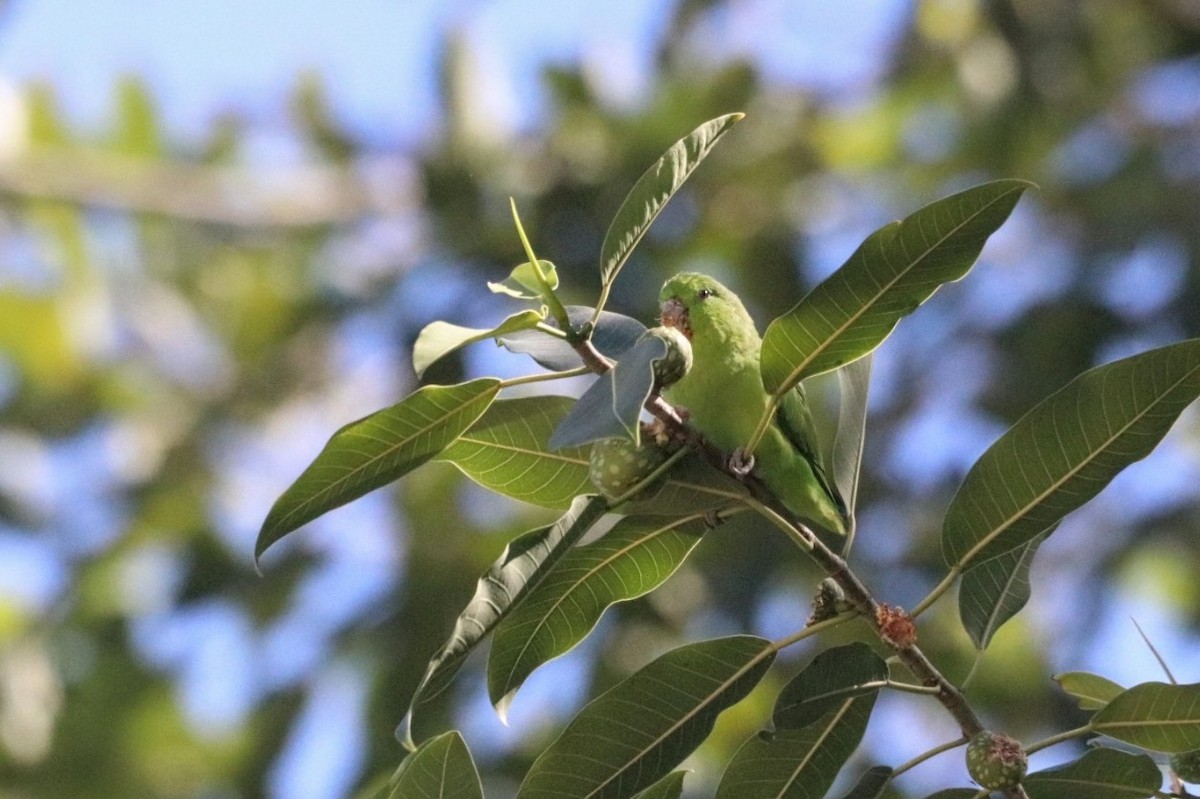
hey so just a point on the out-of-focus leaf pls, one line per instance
(1091, 690)
(1068, 447)
(832, 677)
(872, 784)
(138, 130)
(634, 734)
(376, 450)
(889, 276)
(669, 787)
(441, 338)
(523, 564)
(994, 591)
(441, 768)
(612, 335)
(652, 191)
(630, 560)
(1099, 774)
(506, 451)
(853, 381)
(1154, 716)
(611, 406)
(522, 282)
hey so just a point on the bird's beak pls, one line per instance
(674, 314)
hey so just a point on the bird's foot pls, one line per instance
(711, 519)
(740, 463)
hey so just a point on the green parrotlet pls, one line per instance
(724, 396)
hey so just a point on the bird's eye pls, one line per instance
(704, 294)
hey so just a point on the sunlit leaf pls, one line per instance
(1091, 690)
(652, 191)
(1099, 774)
(441, 338)
(832, 677)
(1060, 454)
(994, 591)
(633, 558)
(441, 768)
(872, 784)
(376, 450)
(524, 562)
(506, 451)
(889, 276)
(1154, 716)
(634, 734)
(669, 787)
(522, 282)
(612, 335)
(612, 405)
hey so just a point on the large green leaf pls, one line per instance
(853, 381)
(994, 591)
(1091, 690)
(376, 450)
(896, 269)
(872, 784)
(832, 677)
(612, 335)
(1068, 447)
(692, 486)
(612, 405)
(1154, 716)
(441, 768)
(506, 451)
(1099, 774)
(634, 734)
(652, 191)
(524, 562)
(669, 787)
(441, 338)
(633, 558)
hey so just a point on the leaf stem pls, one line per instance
(1045, 743)
(760, 430)
(544, 376)
(813, 629)
(547, 292)
(550, 330)
(921, 758)
(910, 688)
(649, 479)
(801, 536)
(936, 593)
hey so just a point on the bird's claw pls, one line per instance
(740, 463)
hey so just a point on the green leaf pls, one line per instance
(441, 338)
(798, 763)
(376, 450)
(612, 405)
(1099, 774)
(831, 678)
(669, 787)
(994, 591)
(1154, 716)
(1060, 454)
(853, 381)
(523, 564)
(632, 559)
(612, 335)
(872, 784)
(634, 734)
(1092, 690)
(692, 486)
(652, 191)
(441, 768)
(522, 282)
(506, 451)
(954, 793)
(889, 276)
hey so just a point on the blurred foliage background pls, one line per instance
(187, 315)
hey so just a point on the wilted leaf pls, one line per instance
(634, 734)
(441, 768)
(896, 269)
(1099, 774)
(630, 560)
(652, 191)
(1092, 690)
(612, 335)
(506, 451)
(994, 591)
(1060, 454)
(1154, 716)
(522, 282)
(524, 562)
(376, 450)
(441, 338)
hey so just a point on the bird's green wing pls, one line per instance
(794, 418)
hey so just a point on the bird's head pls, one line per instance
(699, 305)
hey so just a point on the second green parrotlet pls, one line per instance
(724, 397)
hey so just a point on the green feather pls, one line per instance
(725, 398)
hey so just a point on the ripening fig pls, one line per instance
(618, 464)
(678, 360)
(996, 761)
